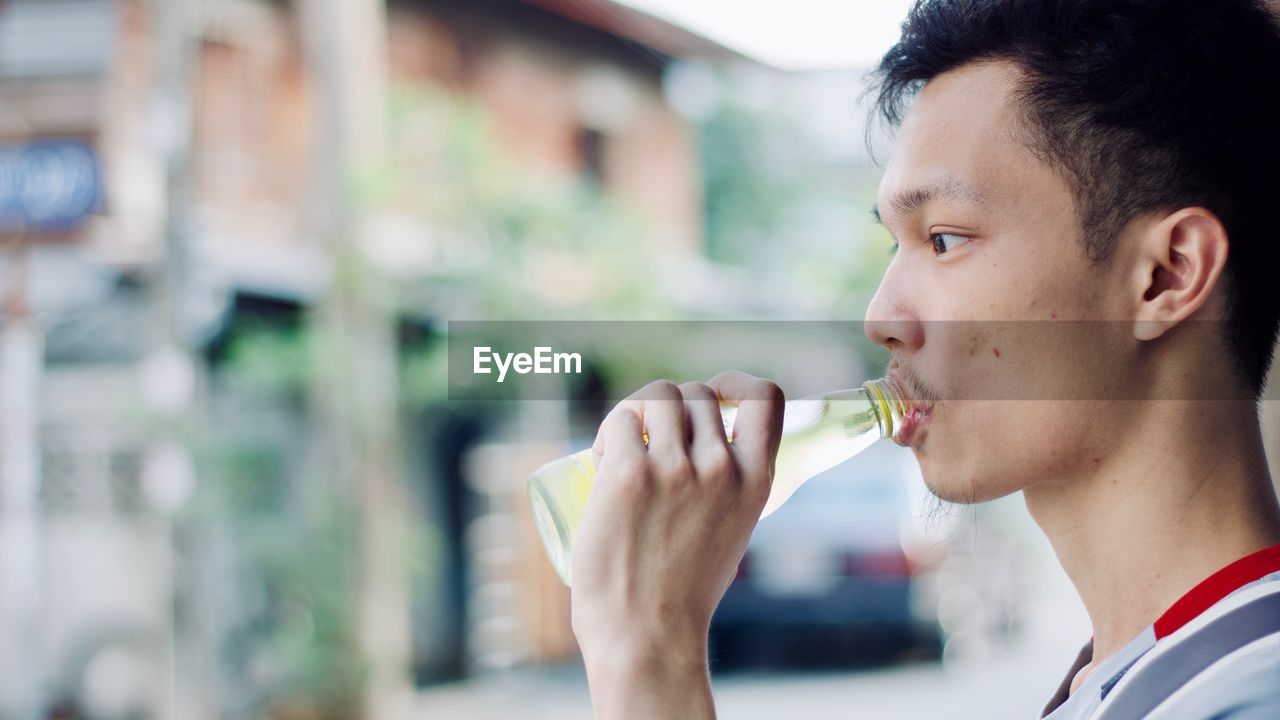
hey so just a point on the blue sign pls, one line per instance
(48, 185)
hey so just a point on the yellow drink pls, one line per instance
(818, 433)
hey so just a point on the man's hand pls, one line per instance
(661, 536)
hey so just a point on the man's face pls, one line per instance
(988, 235)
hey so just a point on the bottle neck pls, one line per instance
(888, 404)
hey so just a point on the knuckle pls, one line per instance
(618, 413)
(631, 466)
(727, 376)
(755, 469)
(632, 474)
(767, 390)
(675, 468)
(659, 390)
(697, 390)
(717, 464)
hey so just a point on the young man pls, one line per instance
(1062, 162)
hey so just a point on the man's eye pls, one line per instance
(946, 242)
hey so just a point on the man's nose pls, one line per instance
(891, 322)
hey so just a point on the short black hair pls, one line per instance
(1145, 106)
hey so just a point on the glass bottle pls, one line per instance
(818, 433)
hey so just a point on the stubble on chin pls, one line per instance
(944, 495)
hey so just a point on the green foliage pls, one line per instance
(510, 244)
(271, 359)
(313, 580)
(748, 183)
(424, 373)
(777, 204)
(294, 541)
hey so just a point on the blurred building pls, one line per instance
(569, 88)
(204, 227)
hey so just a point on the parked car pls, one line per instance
(826, 579)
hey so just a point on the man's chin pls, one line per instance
(950, 493)
(962, 489)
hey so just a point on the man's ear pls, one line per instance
(1181, 259)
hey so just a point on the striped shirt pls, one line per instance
(1244, 684)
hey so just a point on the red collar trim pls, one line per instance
(1217, 586)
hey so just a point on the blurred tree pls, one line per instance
(755, 166)
(779, 204)
(484, 241)
(494, 241)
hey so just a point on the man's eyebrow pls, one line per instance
(910, 201)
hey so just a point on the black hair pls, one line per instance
(1145, 106)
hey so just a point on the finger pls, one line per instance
(664, 421)
(620, 435)
(702, 416)
(757, 429)
(635, 407)
(708, 446)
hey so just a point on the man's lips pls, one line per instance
(913, 421)
(916, 412)
(917, 409)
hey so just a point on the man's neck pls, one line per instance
(1185, 494)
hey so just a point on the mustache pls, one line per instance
(917, 388)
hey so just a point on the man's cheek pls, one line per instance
(1036, 439)
(974, 361)
(987, 443)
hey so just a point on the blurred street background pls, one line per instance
(232, 233)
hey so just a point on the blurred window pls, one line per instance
(56, 38)
(591, 156)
